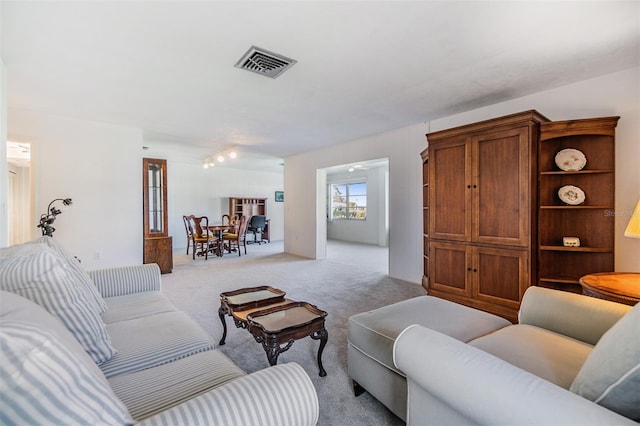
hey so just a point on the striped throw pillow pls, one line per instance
(42, 278)
(17, 308)
(77, 273)
(44, 383)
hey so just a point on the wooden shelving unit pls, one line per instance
(592, 221)
(247, 206)
(425, 216)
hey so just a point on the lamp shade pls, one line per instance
(633, 228)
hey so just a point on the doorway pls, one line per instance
(357, 207)
(19, 193)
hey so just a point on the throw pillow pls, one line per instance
(85, 284)
(42, 277)
(45, 383)
(17, 308)
(77, 273)
(611, 374)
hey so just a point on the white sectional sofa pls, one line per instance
(107, 347)
(570, 360)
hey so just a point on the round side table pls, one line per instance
(621, 287)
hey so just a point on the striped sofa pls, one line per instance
(107, 347)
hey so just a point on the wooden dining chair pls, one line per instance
(237, 238)
(201, 236)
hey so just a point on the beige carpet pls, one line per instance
(352, 279)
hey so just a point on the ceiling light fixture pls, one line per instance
(210, 160)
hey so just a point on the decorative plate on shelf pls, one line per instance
(570, 160)
(571, 195)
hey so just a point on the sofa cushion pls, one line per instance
(375, 332)
(153, 340)
(41, 276)
(17, 308)
(77, 273)
(611, 374)
(45, 383)
(546, 354)
(156, 389)
(136, 305)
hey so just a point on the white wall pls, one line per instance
(304, 216)
(613, 94)
(373, 229)
(99, 166)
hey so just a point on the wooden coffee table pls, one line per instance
(273, 321)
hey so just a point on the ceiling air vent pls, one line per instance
(265, 63)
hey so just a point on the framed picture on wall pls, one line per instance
(279, 196)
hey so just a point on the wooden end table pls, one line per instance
(621, 287)
(273, 320)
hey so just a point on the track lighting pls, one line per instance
(220, 157)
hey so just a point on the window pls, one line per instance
(349, 201)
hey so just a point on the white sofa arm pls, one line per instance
(279, 395)
(451, 382)
(123, 280)
(581, 317)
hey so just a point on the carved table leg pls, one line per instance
(222, 311)
(323, 335)
(272, 348)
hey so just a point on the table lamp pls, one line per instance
(633, 228)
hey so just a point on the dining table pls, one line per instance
(218, 231)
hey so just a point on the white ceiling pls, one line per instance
(363, 67)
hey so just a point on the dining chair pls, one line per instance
(239, 237)
(201, 236)
(232, 221)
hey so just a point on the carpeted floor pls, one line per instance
(352, 279)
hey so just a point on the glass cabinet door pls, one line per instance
(155, 197)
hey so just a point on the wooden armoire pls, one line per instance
(494, 218)
(480, 202)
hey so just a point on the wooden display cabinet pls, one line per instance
(158, 245)
(593, 220)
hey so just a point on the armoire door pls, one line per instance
(501, 189)
(450, 193)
